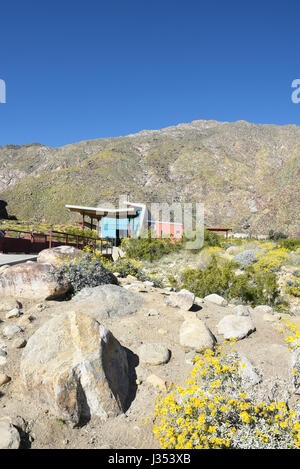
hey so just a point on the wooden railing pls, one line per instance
(29, 241)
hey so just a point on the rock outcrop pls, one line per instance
(59, 254)
(76, 366)
(34, 281)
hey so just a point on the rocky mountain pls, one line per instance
(246, 174)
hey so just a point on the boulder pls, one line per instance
(216, 299)
(183, 299)
(194, 334)
(263, 309)
(75, 366)
(154, 354)
(33, 280)
(241, 310)
(58, 255)
(106, 301)
(233, 326)
(9, 435)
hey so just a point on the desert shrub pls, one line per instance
(87, 271)
(211, 411)
(293, 285)
(256, 288)
(290, 244)
(274, 235)
(272, 260)
(79, 232)
(131, 267)
(210, 239)
(214, 278)
(151, 249)
(251, 287)
(246, 257)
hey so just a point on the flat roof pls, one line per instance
(99, 212)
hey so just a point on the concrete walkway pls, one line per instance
(11, 259)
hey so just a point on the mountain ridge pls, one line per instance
(243, 172)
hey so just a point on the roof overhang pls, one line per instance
(99, 212)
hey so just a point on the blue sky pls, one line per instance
(80, 70)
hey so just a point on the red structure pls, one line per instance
(27, 242)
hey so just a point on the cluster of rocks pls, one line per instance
(76, 366)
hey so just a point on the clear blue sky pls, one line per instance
(80, 70)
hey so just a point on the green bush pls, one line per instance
(150, 248)
(129, 267)
(251, 287)
(87, 271)
(290, 244)
(275, 236)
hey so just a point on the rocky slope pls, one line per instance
(160, 332)
(244, 173)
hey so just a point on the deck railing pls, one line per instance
(30, 241)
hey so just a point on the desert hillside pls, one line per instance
(244, 173)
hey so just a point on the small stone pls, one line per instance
(26, 320)
(157, 382)
(4, 379)
(3, 355)
(153, 312)
(183, 299)
(154, 354)
(14, 313)
(190, 357)
(19, 343)
(10, 331)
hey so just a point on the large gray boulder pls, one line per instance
(33, 280)
(77, 367)
(59, 255)
(106, 301)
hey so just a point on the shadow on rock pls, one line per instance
(133, 362)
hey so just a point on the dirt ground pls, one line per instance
(265, 348)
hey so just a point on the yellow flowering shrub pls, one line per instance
(272, 260)
(211, 411)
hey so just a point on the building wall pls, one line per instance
(126, 227)
(165, 229)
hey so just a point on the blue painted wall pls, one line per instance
(110, 225)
